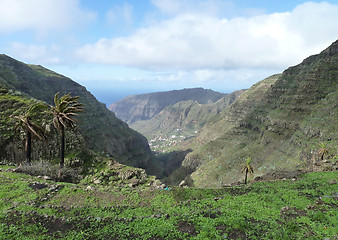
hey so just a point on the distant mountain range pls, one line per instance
(168, 118)
(145, 106)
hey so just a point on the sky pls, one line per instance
(117, 48)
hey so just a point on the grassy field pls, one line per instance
(303, 208)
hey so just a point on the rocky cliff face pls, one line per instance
(280, 123)
(101, 130)
(146, 106)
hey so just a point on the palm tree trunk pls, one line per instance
(62, 150)
(28, 146)
(246, 175)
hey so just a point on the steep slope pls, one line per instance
(11, 143)
(101, 130)
(180, 121)
(280, 123)
(145, 106)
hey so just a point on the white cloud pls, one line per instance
(41, 15)
(190, 41)
(218, 8)
(118, 14)
(218, 79)
(39, 54)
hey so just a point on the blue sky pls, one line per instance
(121, 47)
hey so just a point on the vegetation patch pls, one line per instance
(36, 208)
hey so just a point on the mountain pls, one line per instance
(100, 129)
(146, 106)
(281, 123)
(180, 121)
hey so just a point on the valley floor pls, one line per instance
(303, 208)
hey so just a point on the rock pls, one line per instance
(182, 184)
(332, 182)
(319, 201)
(97, 181)
(310, 206)
(37, 185)
(284, 209)
(135, 181)
(89, 188)
(127, 174)
(157, 184)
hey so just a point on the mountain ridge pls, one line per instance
(101, 129)
(281, 129)
(145, 106)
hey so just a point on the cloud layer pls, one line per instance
(191, 41)
(164, 44)
(36, 53)
(41, 15)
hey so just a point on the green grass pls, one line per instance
(301, 209)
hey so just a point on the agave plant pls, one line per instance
(247, 169)
(64, 111)
(32, 129)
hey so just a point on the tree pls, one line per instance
(32, 129)
(322, 151)
(64, 111)
(247, 169)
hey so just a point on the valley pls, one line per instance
(176, 116)
(259, 163)
(281, 123)
(168, 120)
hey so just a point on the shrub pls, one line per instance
(54, 171)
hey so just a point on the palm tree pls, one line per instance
(64, 111)
(247, 169)
(322, 151)
(32, 129)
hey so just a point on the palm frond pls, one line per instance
(65, 110)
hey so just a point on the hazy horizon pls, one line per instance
(115, 95)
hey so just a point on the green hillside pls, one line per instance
(281, 123)
(302, 208)
(99, 128)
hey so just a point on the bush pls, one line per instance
(54, 171)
